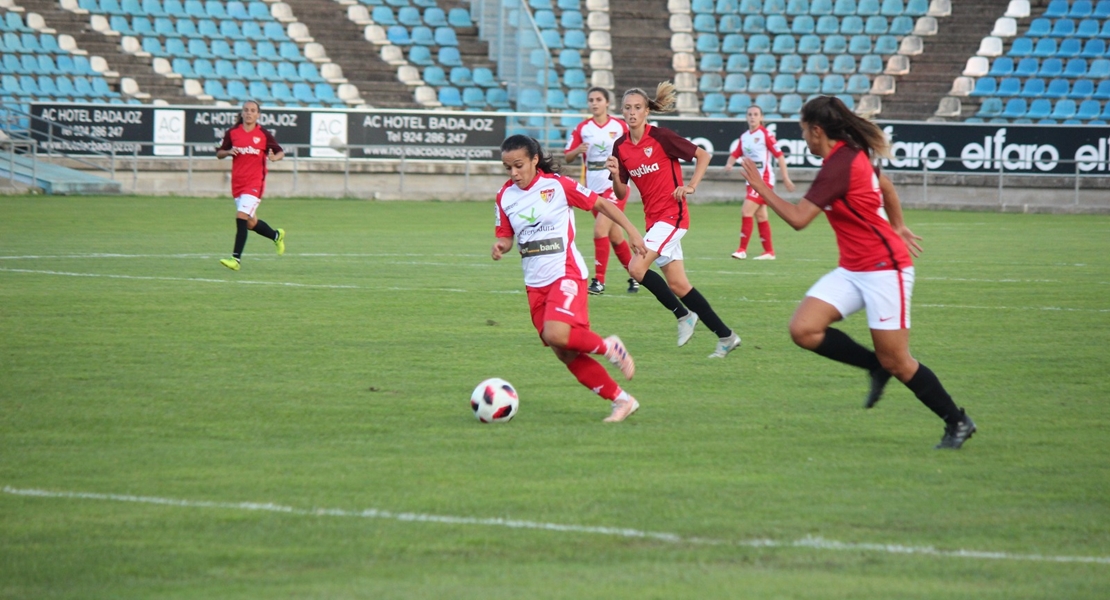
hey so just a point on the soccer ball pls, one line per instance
(494, 401)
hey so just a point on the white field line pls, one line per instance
(464, 291)
(810, 542)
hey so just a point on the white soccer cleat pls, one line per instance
(740, 254)
(765, 256)
(726, 345)
(619, 356)
(686, 327)
(622, 409)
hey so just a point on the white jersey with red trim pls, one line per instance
(759, 146)
(542, 219)
(600, 138)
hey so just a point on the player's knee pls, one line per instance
(901, 365)
(637, 271)
(680, 288)
(555, 338)
(805, 337)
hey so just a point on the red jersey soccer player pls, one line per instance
(535, 206)
(649, 156)
(250, 146)
(759, 145)
(876, 271)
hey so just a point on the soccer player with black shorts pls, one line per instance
(876, 269)
(649, 156)
(250, 146)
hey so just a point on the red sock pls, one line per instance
(591, 374)
(765, 237)
(584, 340)
(601, 258)
(624, 254)
(745, 232)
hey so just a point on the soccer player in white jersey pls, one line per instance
(759, 145)
(593, 140)
(535, 206)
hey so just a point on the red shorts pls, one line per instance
(563, 301)
(754, 197)
(609, 197)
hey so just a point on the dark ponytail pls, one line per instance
(841, 124)
(520, 141)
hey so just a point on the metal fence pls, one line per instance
(516, 46)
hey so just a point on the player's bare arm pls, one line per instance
(500, 247)
(796, 215)
(614, 166)
(635, 240)
(701, 165)
(893, 207)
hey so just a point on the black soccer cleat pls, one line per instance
(879, 378)
(633, 286)
(596, 287)
(956, 434)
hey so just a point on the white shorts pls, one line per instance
(666, 240)
(885, 295)
(247, 204)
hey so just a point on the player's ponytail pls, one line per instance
(666, 95)
(841, 124)
(532, 147)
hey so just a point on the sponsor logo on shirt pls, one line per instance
(644, 169)
(541, 247)
(531, 216)
(247, 150)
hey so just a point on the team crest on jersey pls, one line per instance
(547, 195)
(257, 139)
(612, 135)
(647, 151)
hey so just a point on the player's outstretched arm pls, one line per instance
(635, 240)
(797, 215)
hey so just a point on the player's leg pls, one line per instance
(639, 269)
(747, 219)
(764, 233)
(675, 271)
(602, 225)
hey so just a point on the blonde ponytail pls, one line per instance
(666, 95)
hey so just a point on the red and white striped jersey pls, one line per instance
(542, 219)
(601, 139)
(759, 146)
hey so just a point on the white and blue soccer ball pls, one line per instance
(494, 401)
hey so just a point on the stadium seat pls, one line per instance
(754, 24)
(576, 99)
(1063, 28)
(871, 64)
(383, 15)
(575, 38)
(844, 64)
(820, 7)
(460, 17)
(833, 83)
(705, 23)
(550, 37)
(1102, 10)
(916, 8)
(803, 25)
(738, 63)
(711, 62)
(1088, 110)
(892, 8)
(1069, 48)
(225, 69)
(450, 97)
(886, 45)
(777, 24)
(556, 99)
(768, 103)
(827, 25)
(708, 42)
(791, 105)
(570, 59)
(876, 25)
(435, 76)
(1040, 108)
(1033, 88)
(809, 44)
(266, 70)
(791, 63)
(784, 44)
(421, 56)
(817, 63)
(398, 35)
(1039, 27)
(902, 25)
(735, 82)
(835, 44)
(1009, 86)
(851, 25)
(730, 24)
(710, 82)
(774, 7)
(1051, 67)
(1076, 67)
(1057, 88)
(1045, 47)
(713, 103)
(215, 88)
(764, 63)
(199, 49)
(1087, 28)
(809, 84)
(497, 98)
(797, 8)
(473, 97)
(1015, 109)
(1099, 69)
(739, 103)
(733, 43)
(1022, 46)
(759, 83)
(759, 44)
(784, 83)
(702, 7)
(1026, 67)
(245, 69)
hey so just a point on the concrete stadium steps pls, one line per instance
(97, 44)
(347, 47)
(54, 179)
(945, 55)
(641, 35)
(474, 52)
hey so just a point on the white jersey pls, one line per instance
(600, 138)
(759, 146)
(542, 219)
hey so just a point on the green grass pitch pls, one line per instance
(301, 428)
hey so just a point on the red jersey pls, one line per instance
(248, 168)
(847, 188)
(653, 164)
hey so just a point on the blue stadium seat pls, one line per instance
(1045, 47)
(83, 87)
(750, 7)
(13, 65)
(183, 66)
(784, 44)
(1088, 110)
(851, 25)
(288, 71)
(47, 87)
(738, 63)
(1033, 88)
(843, 8)
(791, 63)
(1087, 28)
(802, 25)
(893, 8)
(1051, 67)
(1022, 46)
(460, 17)
(774, 7)
(730, 24)
(570, 59)
(266, 71)
(867, 8)
(576, 99)
(29, 65)
(759, 83)
(398, 35)
(49, 43)
(551, 39)
(835, 44)
(1027, 67)
(791, 104)
(1040, 108)
(281, 92)
(483, 77)
(797, 8)
(817, 63)
(173, 8)
(1105, 31)
(302, 92)
(727, 6)
(289, 51)
(711, 62)
(118, 23)
(225, 69)
(735, 82)
(1102, 92)
(450, 97)
(828, 25)
(755, 24)
(498, 98)
(382, 15)
(152, 8)
(1056, 9)
(1002, 66)
(203, 68)
(1099, 68)
(1040, 27)
(153, 46)
(859, 84)
(424, 3)
(886, 44)
(777, 24)
(435, 76)
(1063, 28)
(409, 16)
(992, 107)
(713, 103)
(876, 25)
(710, 82)
(545, 19)
(1069, 48)
(902, 25)
(702, 7)
(809, 44)
(833, 83)
(1009, 86)
(423, 36)
(733, 43)
(1102, 10)
(871, 64)
(66, 89)
(739, 103)
(1076, 67)
(759, 44)
(325, 93)
(473, 97)
(764, 63)
(421, 56)
(1058, 88)
(245, 69)
(705, 23)
(784, 83)
(575, 38)
(556, 99)
(574, 78)
(708, 42)
(768, 103)
(215, 88)
(809, 84)
(844, 64)
(461, 77)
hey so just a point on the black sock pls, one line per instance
(240, 237)
(697, 303)
(655, 284)
(928, 389)
(264, 230)
(838, 346)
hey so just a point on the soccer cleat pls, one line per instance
(280, 242)
(956, 434)
(231, 263)
(622, 409)
(619, 356)
(633, 286)
(765, 256)
(686, 327)
(726, 345)
(596, 287)
(740, 254)
(879, 377)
